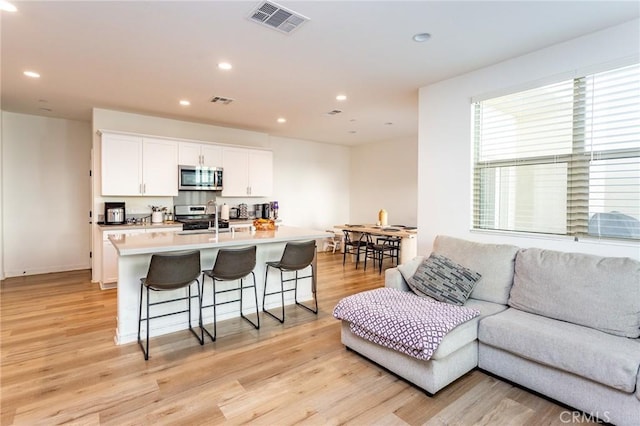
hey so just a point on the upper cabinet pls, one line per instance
(136, 165)
(195, 154)
(247, 172)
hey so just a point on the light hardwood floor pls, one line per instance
(59, 365)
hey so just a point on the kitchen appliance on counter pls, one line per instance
(263, 211)
(114, 213)
(199, 178)
(197, 216)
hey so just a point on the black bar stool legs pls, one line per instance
(231, 265)
(296, 257)
(170, 271)
(281, 292)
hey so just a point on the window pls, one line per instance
(561, 159)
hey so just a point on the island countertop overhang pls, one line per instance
(160, 242)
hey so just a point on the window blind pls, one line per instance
(561, 159)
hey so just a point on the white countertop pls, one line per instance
(152, 226)
(158, 242)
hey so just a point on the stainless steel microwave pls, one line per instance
(199, 178)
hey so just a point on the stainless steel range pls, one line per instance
(198, 216)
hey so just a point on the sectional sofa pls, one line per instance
(566, 325)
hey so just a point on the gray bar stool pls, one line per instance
(232, 265)
(170, 271)
(296, 257)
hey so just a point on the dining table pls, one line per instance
(407, 234)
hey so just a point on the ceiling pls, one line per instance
(146, 56)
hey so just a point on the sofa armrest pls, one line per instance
(394, 279)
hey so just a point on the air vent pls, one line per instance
(334, 112)
(277, 17)
(221, 100)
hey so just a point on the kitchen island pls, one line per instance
(134, 255)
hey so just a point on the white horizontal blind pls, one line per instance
(561, 159)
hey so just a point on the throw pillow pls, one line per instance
(444, 280)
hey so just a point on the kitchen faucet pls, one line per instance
(215, 211)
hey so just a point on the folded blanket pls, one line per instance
(401, 320)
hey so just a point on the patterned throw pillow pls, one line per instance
(443, 279)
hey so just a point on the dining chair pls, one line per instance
(354, 247)
(385, 247)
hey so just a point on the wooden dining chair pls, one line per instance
(354, 247)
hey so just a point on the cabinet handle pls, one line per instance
(248, 190)
(144, 188)
(140, 188)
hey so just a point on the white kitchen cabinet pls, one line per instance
(247, 172)
(135, 165)
(110, 255)
(159, 167)
(121, 164)
(195, 154)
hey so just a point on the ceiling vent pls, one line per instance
(221, 100)
(277, 17)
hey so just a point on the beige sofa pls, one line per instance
(563, 324)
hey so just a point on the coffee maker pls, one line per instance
(114, 213)
(263, 211)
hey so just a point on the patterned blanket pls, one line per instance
(401, 320)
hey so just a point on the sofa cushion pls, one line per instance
(597, 292)
(493, 261)
(408, 269)
(443, 279)
(610, 360)
(468, 331)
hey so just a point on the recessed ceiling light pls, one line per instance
(185, 102)
(420, 37)
(31, 74)
(282, 120)
(341, 97)
(225, 66)
(7, 7)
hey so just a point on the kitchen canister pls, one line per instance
(382, 217)
(157, 217)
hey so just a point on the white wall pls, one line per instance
(384, 176)
(445, 147)
(311, 182)
(45, 189)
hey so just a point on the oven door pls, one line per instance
(196, 178)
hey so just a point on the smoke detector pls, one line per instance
(279, 18)
(221, 100)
